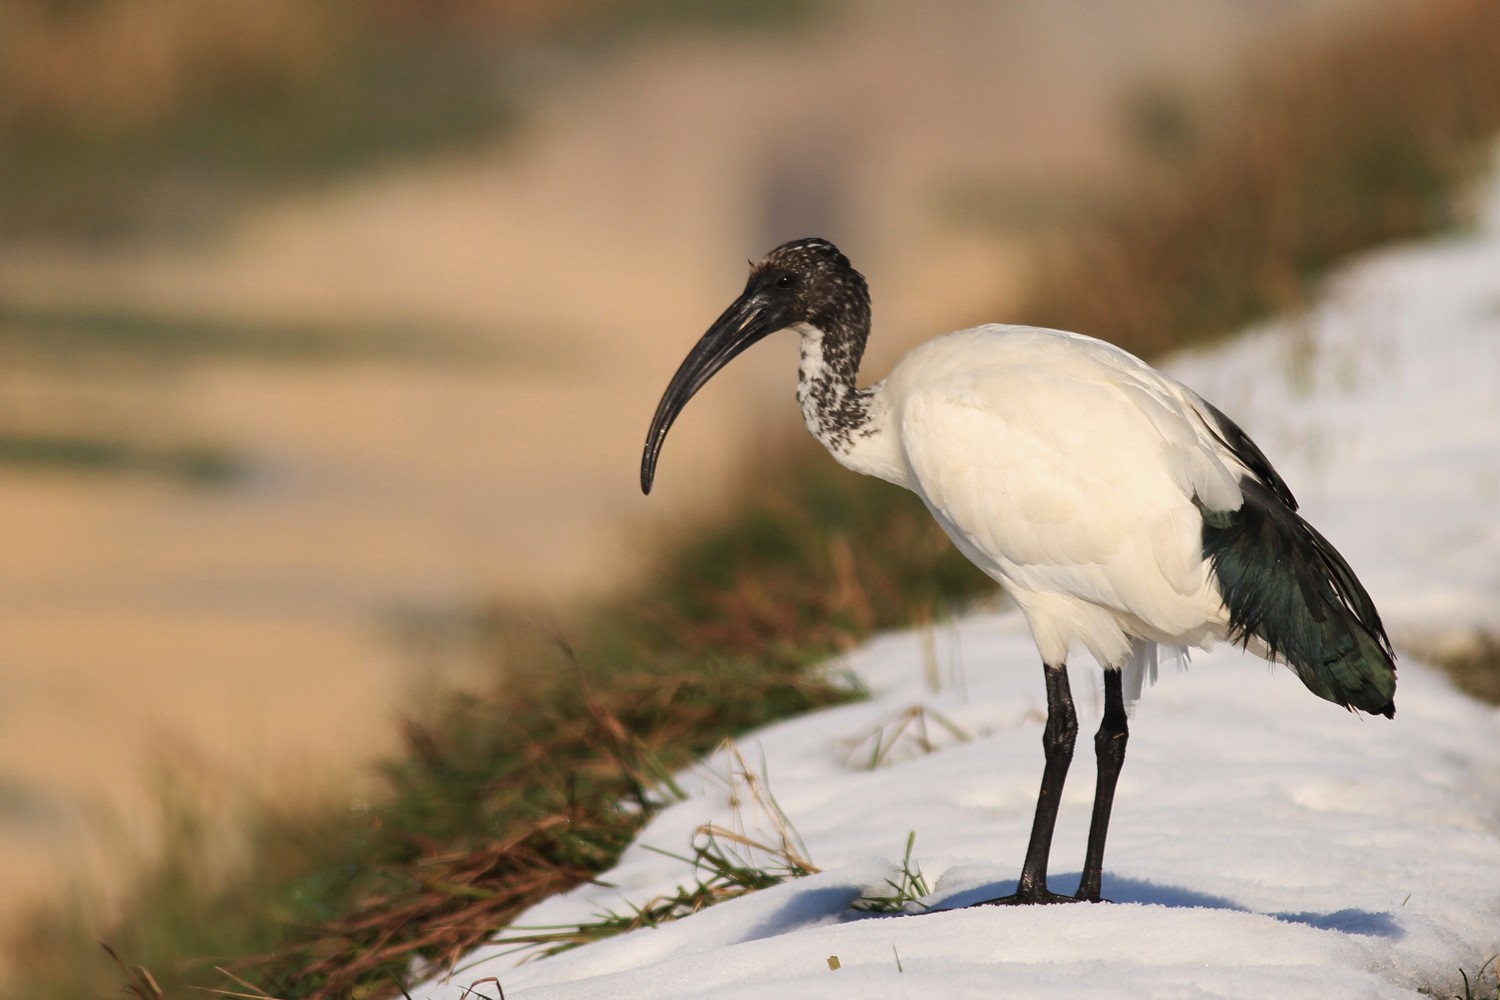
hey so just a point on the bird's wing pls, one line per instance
(1228, 434)
(1069, 472)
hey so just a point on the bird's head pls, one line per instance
(806, 284)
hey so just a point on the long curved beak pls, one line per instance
(742, 324)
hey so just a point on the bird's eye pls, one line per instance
(787, 280)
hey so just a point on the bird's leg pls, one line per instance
(1058, 737)
(1109, 747)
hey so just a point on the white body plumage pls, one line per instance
(1064, 468)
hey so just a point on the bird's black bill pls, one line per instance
(741, 325)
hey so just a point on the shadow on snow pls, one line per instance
(1365, 923)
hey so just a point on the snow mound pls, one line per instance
(1264, 843)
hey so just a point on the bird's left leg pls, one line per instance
(1057, 743)
(1109, 748)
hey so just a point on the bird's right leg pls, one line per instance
(1109, 746)
(1058, 737)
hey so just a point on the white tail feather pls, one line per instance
(1142, 664)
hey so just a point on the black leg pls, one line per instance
(1058, 737)
(1109, 747)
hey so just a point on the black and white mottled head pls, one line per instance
(807, 284)
(819, 287)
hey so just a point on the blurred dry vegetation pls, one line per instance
(1358, 140)
(110, 109)
(1337, 147)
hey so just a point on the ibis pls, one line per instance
(1123, 513)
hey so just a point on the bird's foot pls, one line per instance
(1033, 897)
(1088, 892)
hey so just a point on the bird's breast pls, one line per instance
(1044, 461)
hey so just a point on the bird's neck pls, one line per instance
(834, 409)
(849, 421)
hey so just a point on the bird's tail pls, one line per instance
(1284, 585)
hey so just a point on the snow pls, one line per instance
(1264, 843)
(1381, 408)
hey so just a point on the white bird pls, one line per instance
(1118, 509)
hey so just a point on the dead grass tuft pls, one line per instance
(139, 982)
(543, 794)
(446, 902)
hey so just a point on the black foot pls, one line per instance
(1034, 898)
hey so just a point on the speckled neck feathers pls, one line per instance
(836, 411)
(834, 329)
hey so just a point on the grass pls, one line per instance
(537, 807)
(1475, 668)
(491, 809)
(312, 93)
(1469, 987)
(907, 890)
(503, 800)
(1337, 147)
(1469, 993)
(197, 465)
(118, 116)
(720, 874)
(143, 334)
(907, 731)
(726, 863)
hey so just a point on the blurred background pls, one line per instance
(325, 326)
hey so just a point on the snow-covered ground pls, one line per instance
(1264, 843)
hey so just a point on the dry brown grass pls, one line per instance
(509, 801)
(122, 64)
(130, 116)
(117, 65)
(447, 902)
(1475, 668)
(1338, 146)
